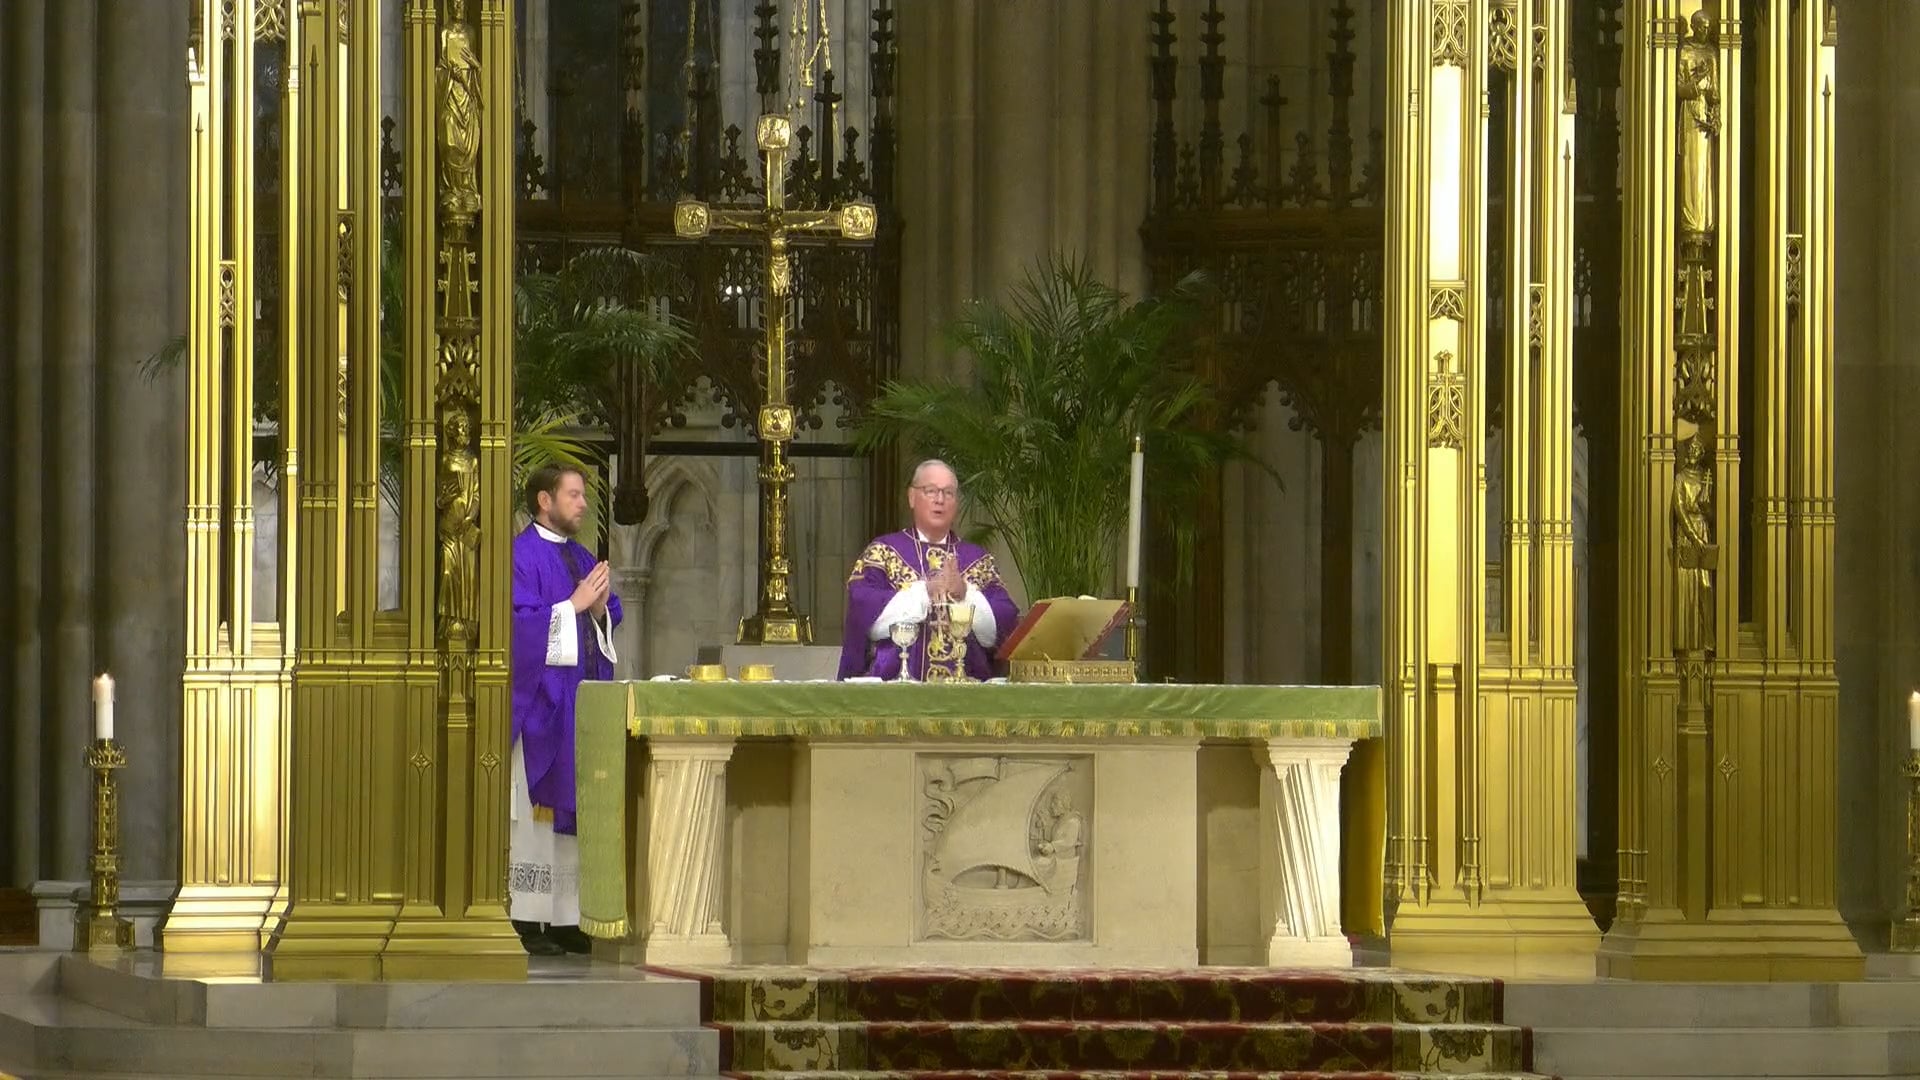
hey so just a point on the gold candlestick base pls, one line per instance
(99, 927)
(1906, 932)
(1133, 625)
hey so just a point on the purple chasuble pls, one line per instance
(544, 574)
(896, 561)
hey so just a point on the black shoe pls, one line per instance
(571, 939)
(541, 945)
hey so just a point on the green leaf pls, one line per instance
(1066, 371)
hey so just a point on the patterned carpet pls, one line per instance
(1233, 1023)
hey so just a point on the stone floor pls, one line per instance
(67, 1016)
(1666, 1031)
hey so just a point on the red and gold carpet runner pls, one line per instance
(1239, 1024)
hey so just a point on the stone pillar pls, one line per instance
(92, 212)
(1480, 736)
(686, 854)
(1027, 142)
(1300, 895)
(1877, 395)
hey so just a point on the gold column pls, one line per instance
(400, 717)
(232, 850)
(1728, 734)
(1480, 870)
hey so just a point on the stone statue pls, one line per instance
(459, 120)
(1694, 551)
(1699, 92)
(1057, 857)
(458, 500)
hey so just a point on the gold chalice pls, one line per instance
(960, 617)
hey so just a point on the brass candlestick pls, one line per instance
(1906, 932)
(1133, 628)
(100, 925)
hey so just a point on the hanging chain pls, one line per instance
(686, 129)
(811, 46)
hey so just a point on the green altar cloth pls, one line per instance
(609, 712)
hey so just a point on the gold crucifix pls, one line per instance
(776, 622)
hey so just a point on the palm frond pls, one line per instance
(547, 440)
(1066, 370)
(167, 358)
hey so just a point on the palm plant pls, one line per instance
(1067, 371)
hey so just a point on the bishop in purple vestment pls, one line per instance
(908, 576)
(564, 612)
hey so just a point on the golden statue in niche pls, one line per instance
(1699, 93)
(1694, 551)
(458, 500)
(459, 118)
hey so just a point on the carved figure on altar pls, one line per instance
(1004, 850)
(1056, 861)
(1699, 93)
(1693, 548)
(923, 597)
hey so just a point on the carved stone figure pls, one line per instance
(458, 500)
(1699, 93)
(459, 121)
(1694, 551)
(1057, 855)
(1005, 846)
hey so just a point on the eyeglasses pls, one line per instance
(932, 492)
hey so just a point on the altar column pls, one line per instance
(1728, 733)
(1300, 895)
(1480, 722)
(688, 870)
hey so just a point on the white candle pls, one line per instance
(1133, 515)
(103, 707)
(1913, 721)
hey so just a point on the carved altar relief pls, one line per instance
(1005, 841)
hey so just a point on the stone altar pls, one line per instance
(844, 824)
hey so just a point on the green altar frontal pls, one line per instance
(681, 721)
(975, 710)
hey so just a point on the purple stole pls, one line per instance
(897, 561)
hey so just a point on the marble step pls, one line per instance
(1717, 1005)
(608, 997)
(1658, 1052)
(39, 1032)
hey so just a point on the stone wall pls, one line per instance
(93, 197)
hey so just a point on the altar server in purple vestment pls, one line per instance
(564, 612)
(919, 576)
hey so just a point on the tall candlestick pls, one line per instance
(1906, 929)
(100, 924)
(103, 707)
(1133, 515)
(1913, 721)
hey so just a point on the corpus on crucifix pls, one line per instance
(776, 622)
